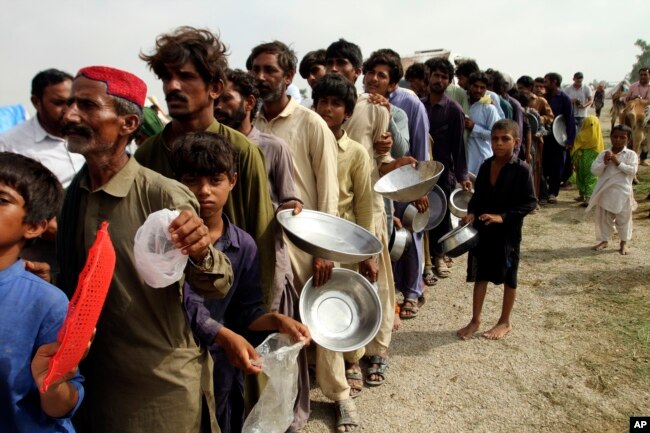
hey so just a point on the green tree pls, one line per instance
(642, 60)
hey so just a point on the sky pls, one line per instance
(516, 37)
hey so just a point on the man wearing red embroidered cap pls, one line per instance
(145, 371)
(191, 64)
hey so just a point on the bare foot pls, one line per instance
(600, 246)
(498, 331)
(624, 250)
(467, 332)
(397, 322)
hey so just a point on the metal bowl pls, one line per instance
(344, 314)
(458, 201)
(459, 241)
(413, 220)
(559, 130)
(437, 207)
(400, 242)
(329, 237)
(407, 184)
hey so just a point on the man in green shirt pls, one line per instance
(191, 64)
(145, 371)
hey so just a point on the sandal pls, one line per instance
(380, 370)
(441, 268)
(355, 379)
(411, 306)
(346, 415)
(429, 279)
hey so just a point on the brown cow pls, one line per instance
(633, 115)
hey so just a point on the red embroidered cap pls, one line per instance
(118, 83)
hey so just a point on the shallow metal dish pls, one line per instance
(407, 184)
(458, 201)
(459, 241)
(329, 237)
(344, 314)
(437, 207)
(400, 242)
(414, 220)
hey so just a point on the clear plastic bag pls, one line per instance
(157, 259)
(273, 413)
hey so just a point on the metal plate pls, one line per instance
(437, 207)
(407, 184)
(329, 237)
(559, 130)
(344, 314)
(533, 122)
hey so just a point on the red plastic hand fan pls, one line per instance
(84, 308)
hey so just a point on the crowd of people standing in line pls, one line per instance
(238, 149)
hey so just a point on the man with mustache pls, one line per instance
(145, 371)
(191, 63)
(40, 137)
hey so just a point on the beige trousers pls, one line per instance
(606, 220)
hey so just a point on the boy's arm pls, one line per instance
(629, 165)
(598, 166)
(62, 397)
(203, 325)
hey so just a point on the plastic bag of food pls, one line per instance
(157, 259)
(273, 412)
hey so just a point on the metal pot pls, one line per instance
(414, 220)
(400, 242)
(437, 207)
(459, 241)
(458, 201)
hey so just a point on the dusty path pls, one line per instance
(577, 360)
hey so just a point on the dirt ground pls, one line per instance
(577, 359)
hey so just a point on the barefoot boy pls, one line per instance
(503, 197)
(31, 310)
(613, 196)
(205, 162)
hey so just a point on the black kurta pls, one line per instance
(496, 257)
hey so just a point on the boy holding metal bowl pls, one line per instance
(503, 196)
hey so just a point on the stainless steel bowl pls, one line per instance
(559, 130)
(400, 242)
(329, 237)
(407, 184)
(437, 207)
(344, 314)
(413, 220)
(459, 241)
(458, 201)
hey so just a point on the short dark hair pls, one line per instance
(644, 69)
(200, 46)
(439, 64)
(244, 84)
(507, 125)
(345, 50)
(416, 71)
(310, 59)
(287, 59)
(578, 75)
(539, 80)
(497, 81)
(38, 186)
(555, 77)
(478, 76)
(526, 81)
(395, 62)
(395, 71)
(623, 128)
(467, 68)
(48, 77)
(337, 86)
(203, 154)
